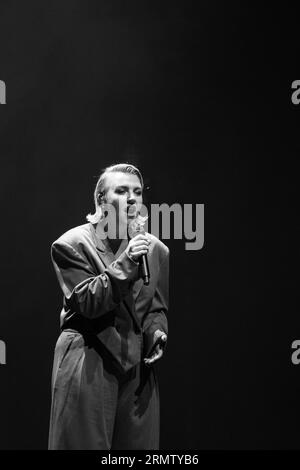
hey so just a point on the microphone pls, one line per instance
(135, 228)
(145, 269)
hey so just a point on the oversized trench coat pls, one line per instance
(103, 396)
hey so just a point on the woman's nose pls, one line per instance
(131, 198)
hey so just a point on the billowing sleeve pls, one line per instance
(87, 292)
(156, 319)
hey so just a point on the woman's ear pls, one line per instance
(101, 198)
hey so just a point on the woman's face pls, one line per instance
(123, 191)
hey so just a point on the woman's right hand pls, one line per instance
(138, 246)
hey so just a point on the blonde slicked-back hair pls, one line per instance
(100, 187)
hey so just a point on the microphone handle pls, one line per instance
(145, 269)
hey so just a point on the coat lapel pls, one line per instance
(105, 254)
(137, 288)
(107, 257)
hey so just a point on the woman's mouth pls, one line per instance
(131, 211)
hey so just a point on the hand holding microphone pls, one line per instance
(137, 247)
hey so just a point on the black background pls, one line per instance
(198, 95)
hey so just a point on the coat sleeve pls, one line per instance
(88, 293)
(156, 318)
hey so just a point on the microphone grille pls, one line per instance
(136, 226)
